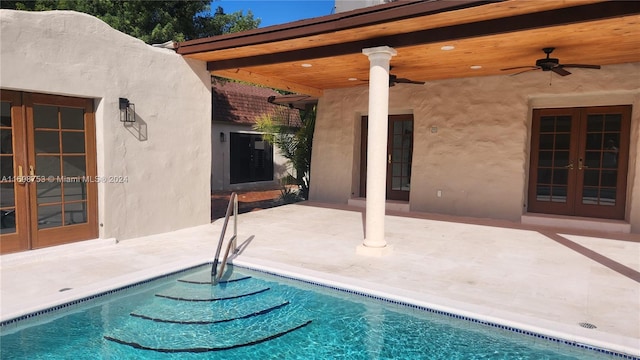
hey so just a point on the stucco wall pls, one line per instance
(165, 154)
(471, 138)
(220, 161)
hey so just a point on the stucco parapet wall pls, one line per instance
(67, 30)
(63, 20)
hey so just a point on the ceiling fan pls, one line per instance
(551, 64)
(393, 80)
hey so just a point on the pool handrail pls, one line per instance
(233, 206)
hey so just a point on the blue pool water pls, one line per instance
(258, 316)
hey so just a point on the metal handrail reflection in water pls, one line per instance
(233, 206)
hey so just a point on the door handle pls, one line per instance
(20, 179)
(580, 165)
(31, 171)
(389, 156)
(570, 166)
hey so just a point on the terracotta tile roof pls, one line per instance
(242, 104)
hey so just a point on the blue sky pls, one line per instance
(274, 12)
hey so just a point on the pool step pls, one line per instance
(207, 349)
(209, 298)
(194, 316)
(208, 322)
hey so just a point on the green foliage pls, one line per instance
(295, 144)
(151, 21)
(289, 195)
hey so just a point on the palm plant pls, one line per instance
(294, 143)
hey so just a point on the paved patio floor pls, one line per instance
(538, 279)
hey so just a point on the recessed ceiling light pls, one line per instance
(447, 47)
(476, 67)
(306, 65)
(352, 79)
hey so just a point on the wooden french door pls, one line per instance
(49, 192)
(579, 159)
(399, 157)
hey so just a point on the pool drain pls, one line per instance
(587, 325)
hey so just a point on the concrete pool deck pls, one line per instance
(532, 278)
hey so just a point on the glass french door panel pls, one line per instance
(402, 145)
(554, 144)
(7, 181)
(7, 208)
(602, 142)
(59, 144)
(6, 167)
(8, 221)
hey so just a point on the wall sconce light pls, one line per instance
(127, 111)
(223, 137)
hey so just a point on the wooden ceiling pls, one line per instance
(489, 34)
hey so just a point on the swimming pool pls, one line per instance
(253, 315)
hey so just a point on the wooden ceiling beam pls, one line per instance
(549, 18)
(251, 77)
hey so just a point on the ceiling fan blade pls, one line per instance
(524, 71)
(560, 71)
(407, 81)
(520, 67)
(584, 66)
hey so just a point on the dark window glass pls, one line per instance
(612, 122)
(49, 216)
(594, 141)
(47, 142)
(591, 177)
(72, 118)
(546, 142)
(45, 117)
(592, 159)
(75, 213)
(544, 176)
(560, 176)
(47, 165)
(559, 194)
(544, 158)
(595, 123)
(5, 114)
(72, 142)
(547, 124)
(49, 192)
(563, 124)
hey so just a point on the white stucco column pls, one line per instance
(374, 242)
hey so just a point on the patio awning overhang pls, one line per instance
(313, 55)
